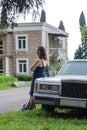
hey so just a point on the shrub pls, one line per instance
(57, 67)
(23, 77)
(47, 70)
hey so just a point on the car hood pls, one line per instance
(59, 78)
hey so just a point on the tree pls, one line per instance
(78, 53)
(81, 53)
(43, 16)
(84, 41)
(84, 35)
(11, 9)
(83, 30)
(61, 26)
(82, 21)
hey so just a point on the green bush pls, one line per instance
(47, 70)
(23, 77)
(57, 67)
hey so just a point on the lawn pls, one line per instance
(38, 119)
(6, 82)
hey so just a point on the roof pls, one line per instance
(43, 26)
(58, 34)
(55, 31)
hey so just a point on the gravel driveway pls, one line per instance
(11, 100)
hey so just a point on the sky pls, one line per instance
(69, 12)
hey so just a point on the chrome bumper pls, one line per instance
(58, 101)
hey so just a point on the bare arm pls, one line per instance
(35, 64)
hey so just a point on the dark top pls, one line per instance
(38, 73)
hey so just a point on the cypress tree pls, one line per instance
(43, 16)
(82, 21)
(61, 26)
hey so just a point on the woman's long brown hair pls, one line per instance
(42, 53)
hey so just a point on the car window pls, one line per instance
(74, 68)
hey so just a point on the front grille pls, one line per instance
(74, 90)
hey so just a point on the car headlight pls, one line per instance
(49, 87)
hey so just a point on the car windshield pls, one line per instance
(74, 68)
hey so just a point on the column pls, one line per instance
(7, 66)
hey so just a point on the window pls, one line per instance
(22, 66)
(21, 42)
(1, 47)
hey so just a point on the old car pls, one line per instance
(68, 89)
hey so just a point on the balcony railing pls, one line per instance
(57, 52)
(53, 52)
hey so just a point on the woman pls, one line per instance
(38, 68)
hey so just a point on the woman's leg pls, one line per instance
(30, 103)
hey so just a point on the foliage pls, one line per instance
(7, 78)
(57, 67)
(37, 119)
(84, 41)
(47, 70)
(82, 21)
(24, 77)
(84, 35)
(6, 81)
(43, 16)
(61, 26)
(81, 52)
(11, 9)
(78, 53)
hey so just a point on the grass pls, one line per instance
(38, 119)
(6, 82)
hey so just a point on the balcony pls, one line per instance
(54, 52)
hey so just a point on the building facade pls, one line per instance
(18, 47)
